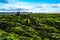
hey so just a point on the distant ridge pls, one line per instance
(8, 13)
(28, 13)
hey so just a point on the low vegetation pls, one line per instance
(30, 27)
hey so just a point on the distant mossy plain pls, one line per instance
(30, 27)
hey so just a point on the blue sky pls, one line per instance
(42, 1)
(30, 5)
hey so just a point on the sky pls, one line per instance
(40, 6)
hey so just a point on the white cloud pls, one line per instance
(47, 8)
(32, 7)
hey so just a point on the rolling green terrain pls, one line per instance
(30, 27)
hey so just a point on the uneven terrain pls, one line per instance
(30, 27)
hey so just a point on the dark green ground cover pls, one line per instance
(30, 27)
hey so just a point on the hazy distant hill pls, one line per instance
(8, 12)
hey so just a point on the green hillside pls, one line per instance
(30, 27)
